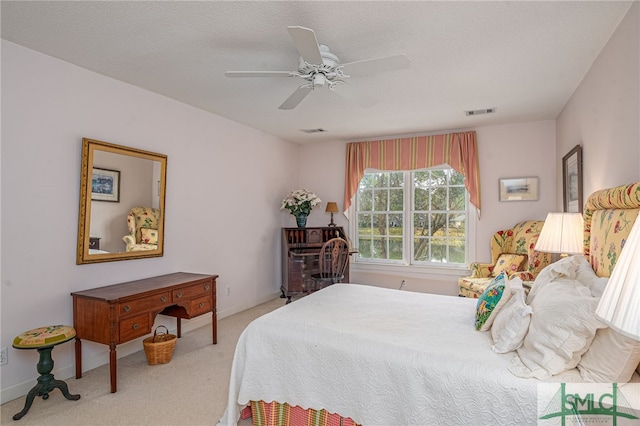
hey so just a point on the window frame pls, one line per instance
(407, 265)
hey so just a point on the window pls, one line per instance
(413, 218)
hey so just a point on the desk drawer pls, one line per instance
(142, 305)
(133, 327)
(191, 291)
(200, 306)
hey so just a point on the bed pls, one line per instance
(375, 356)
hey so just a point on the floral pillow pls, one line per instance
(491, 301)
(508, 263)
(149, 236)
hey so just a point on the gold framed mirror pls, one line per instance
(122, 200)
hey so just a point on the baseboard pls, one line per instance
(102, 358)
(243, 307)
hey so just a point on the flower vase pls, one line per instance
(301, 220)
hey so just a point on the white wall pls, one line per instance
(603, 115)
(514, 150)
(225, 182)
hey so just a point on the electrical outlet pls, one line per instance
(4, 356)
(228, 290)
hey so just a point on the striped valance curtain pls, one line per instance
(458, 150)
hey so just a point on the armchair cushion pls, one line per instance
(507, 262)
(149, 235)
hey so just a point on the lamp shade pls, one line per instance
(562, 233)
(619, 305)
(332, 207)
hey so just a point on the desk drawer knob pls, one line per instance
(207, 287)
(135, 326)
(179, 294)
(163, 299)
(200, 305)
(127, 308)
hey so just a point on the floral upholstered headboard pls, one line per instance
(609, 215)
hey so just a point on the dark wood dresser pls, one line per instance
(300, 252)
(119, 313)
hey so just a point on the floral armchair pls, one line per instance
(142, 224)
(511, 250)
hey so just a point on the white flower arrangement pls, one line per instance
(301, 201)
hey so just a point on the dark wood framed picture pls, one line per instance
(572, 180)
(105, 185)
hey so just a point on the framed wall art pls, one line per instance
(105, 185)
(572, 180)
(519, 189)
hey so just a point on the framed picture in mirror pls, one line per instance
(105, 185)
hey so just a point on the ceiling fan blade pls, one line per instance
(349, 92)
(234, 74)
(372, 66)
(306, 43)
(296, 97)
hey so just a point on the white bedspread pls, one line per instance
(381, 357)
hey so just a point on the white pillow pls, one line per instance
(611, 358)
(563, 324)
(588, 278)
(566, 267)
(512, 321)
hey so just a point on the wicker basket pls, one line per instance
(159, 347)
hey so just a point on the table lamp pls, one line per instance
(332, 207)
(619, 306)
(562, 233)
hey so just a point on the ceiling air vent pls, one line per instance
(480, 111)
(318, 130)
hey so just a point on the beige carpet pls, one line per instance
(192, 389)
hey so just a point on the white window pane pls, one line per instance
(434, 222)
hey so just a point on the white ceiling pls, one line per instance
(524, 58)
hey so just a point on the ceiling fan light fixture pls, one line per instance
(319, 79)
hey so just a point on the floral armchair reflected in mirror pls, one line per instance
(142, 224)
(115, 182)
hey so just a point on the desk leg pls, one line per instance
(214, 325)
(78, 359)
(113, 359)
(179, 327)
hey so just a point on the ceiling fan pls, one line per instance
(321, 68)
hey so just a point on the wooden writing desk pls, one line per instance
(300, 252)
(119, 313)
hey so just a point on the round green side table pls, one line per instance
(43, 339)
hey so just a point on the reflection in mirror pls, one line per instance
(122, 198)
